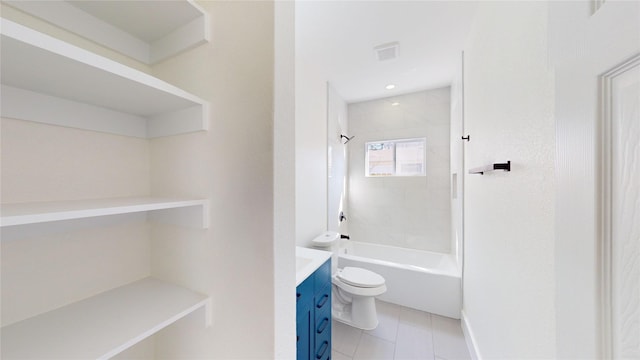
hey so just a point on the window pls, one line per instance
(395, 157)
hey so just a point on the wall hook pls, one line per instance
(343, 136)
(468, 138)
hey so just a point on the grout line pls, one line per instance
(395, 342)
(433, 339)
(357, 346)
(429, 323)
(341, 353)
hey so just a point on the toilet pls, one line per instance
(353, 289)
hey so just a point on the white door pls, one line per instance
(598, 198)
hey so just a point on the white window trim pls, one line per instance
(395, 141)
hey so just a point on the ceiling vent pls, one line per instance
(388, 51)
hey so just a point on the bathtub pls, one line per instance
(417, 279)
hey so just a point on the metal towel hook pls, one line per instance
(343, 136)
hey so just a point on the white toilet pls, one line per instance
(353, 290)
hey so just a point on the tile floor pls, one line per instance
(402, 334)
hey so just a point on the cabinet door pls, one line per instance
(304, 319)
(304, 343)
(322, 322)
(313, 315)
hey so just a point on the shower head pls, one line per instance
(343, 136)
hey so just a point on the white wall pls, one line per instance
(311, 136)
(410, 212)
(70, 260)
(284, 176)
(232, 165)
(509, 287)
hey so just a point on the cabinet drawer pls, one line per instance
(322, 328)
(323, 350)
(322, 304)
(322, 325)
(323, 300)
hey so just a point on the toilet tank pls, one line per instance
(328, 241)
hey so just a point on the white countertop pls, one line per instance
(308, 261)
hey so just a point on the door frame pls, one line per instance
(605, 203)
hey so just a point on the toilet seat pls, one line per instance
(358, 290)
(359, 277)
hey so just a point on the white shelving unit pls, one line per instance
(148, 31)
(47, 80)
(103, 325)
(74, 87)
(34, 213)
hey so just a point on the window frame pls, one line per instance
(395, 163)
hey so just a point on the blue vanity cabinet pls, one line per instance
(304, 312)
(313, 315)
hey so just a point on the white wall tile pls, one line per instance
(395, 211)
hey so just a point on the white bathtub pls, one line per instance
(417, 279)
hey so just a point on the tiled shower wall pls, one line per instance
(410, 212)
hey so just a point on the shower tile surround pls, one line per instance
(410, 212)
(403, 334)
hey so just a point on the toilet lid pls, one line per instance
(360, 277)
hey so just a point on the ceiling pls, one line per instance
(339, 37)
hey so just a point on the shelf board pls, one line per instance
(103, 325)
(196, 210)
(77, 88)
(148, 31)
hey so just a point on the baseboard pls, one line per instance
(469, 338)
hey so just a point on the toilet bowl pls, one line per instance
(353, 289)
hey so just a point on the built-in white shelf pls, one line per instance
(48, 80)
(189, 212)
(148, 31)
(103, 325)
